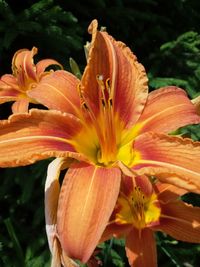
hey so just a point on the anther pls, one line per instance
(103, 102)
(100, 77)
(85, 106)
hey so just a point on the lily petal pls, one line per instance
(52, 190)
(129, 183)
(127, 78)
(173, 160)
(20, 106)
(9, 89)
(181, 221)
(196, 102)
(8, 81)
(58, 256)
(167, 109)
(115, 230)
(168, 192)
(8, 95)
(59, 91)
(84, 208)
(56, 253)
(36, 135)
(141, 248)
(45, 63)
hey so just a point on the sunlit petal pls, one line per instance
(168, 192)
(20, 106)
(25, 138)
(115, 230)
(52, 190)
(84, 208)
(173, 160)
(167, 109)
(8, 81)
(181, 221)
(9, 95)
(45, 63)
(59, 91)
(141, 248)
(113, 61)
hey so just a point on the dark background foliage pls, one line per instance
(164, 35)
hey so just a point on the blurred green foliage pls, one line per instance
(164, 35)
(180, 59)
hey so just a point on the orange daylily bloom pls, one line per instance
(26, 75)
(143, 208)
(108, 124)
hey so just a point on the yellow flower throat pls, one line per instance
(138, 209)
(101, 137)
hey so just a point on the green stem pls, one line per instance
(15, 241)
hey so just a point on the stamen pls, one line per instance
(109, 149)
(102, 120)
(108, 86)
(138, 207)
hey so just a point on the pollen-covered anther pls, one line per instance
(104, 91)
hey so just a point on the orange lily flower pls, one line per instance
(143, 208)
(104, 122)
(26, 75)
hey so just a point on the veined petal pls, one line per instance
(87, 199)
(8, 81)
(129, 183)
(115, 230)
(141, 248)
(168, 192)
(10, 91)
(173, 160)
(20, 106)
(25, 138)
(58, 90)
(124, 78)
(181, 221)
(9, 95)
(166, 110)
(45, 63)
(52, 190)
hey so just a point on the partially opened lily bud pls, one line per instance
(143, 208)
(25, 76)
(110, 126)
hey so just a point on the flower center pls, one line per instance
(101, 137)
(138, 209)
